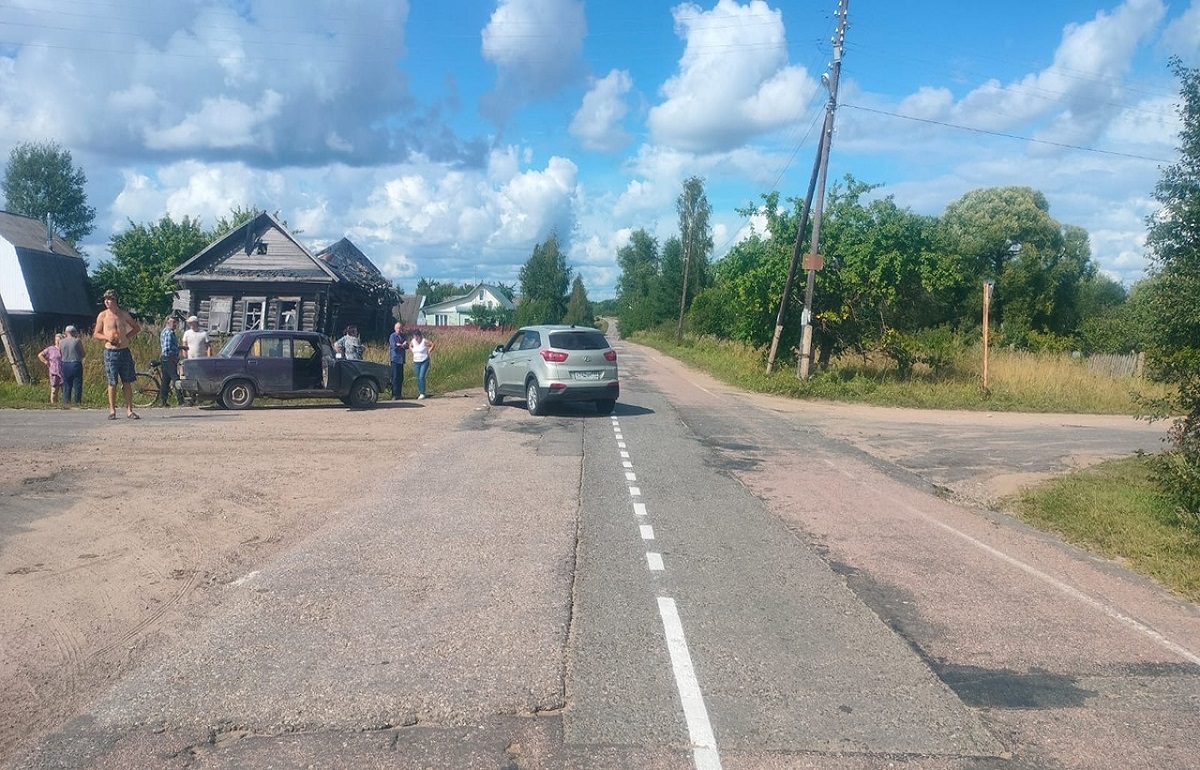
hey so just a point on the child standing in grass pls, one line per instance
(52, 358)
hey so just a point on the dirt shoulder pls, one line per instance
(111, 532)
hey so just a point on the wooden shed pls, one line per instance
(259, 276)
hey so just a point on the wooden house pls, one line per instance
(259, 276)
(43, 280)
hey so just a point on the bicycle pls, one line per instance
(146, 385)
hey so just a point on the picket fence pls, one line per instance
(1127, 365)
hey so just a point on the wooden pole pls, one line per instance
(15, 357)
(839, 38)
(987, 301)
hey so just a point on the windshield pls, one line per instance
(578, 340)
(230, 346)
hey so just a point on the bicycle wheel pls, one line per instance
(145, 390)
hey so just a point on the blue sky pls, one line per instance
(447, 139)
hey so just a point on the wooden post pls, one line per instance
(987, 301)
(15, 357)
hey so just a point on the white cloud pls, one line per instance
(734, 82)
(597, 124)
(536, 46)
(1182, 36)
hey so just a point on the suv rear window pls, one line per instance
(578, 340)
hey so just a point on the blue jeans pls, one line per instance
(397, 379)
(421, 369)
(72, 381)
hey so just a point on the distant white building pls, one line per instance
(456, 311)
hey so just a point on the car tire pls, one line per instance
(533, 399)
(493, 390)
(364, 393)
(605, 406)
(238, 394)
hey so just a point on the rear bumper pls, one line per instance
(575, 391)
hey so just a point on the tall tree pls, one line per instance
(1173, 241)
(579, 309)
(695, 236)
(41, 179)
(544, 281)
(143, 258)
(639, 263)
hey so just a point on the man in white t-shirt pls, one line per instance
(196, 342)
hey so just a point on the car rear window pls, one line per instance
(578, 340)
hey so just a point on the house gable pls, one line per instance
(260, 249)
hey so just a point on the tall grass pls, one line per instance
(1017, 380)
(455, 364)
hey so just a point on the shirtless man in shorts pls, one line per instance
(115, 327)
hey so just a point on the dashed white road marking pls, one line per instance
(639, 509)
(704, 744)
(635, 492)
(654, 561)
(647, 532)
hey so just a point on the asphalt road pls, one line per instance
(704, 579)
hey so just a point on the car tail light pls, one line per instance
(610, 355)
(554, 356)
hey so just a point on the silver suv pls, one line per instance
(548, 364)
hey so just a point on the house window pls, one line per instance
(289, 313)
(255, 307)
(220, 313)
(261, 247)
(441, 319)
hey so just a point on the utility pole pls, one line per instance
(791, 276)
(987, 306)
(813, 261)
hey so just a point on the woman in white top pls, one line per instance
(420, 348)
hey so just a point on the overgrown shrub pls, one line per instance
(1177, 470)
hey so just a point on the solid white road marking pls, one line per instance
(1071, 591)
(704, 744)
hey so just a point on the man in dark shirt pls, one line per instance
(168, 370)
(397, 344)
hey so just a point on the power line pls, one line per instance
(1007, 136)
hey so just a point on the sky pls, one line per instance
(447, 139)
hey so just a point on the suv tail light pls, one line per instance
(610, 355)
(554, 356)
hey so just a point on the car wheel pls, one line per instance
(533, 400)
(238, 394)
(605, 405)
(364, 393)
(493, 390)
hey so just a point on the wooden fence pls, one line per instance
(1116, 366)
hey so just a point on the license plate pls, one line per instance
(585, 375)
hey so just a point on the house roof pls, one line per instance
(35, 279)
(410, 308)
(29, 233)
(468, 299)
(350, 264)
(212, 261)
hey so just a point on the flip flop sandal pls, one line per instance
(112, 416)
(134, 416)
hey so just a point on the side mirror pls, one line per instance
(499, 349)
